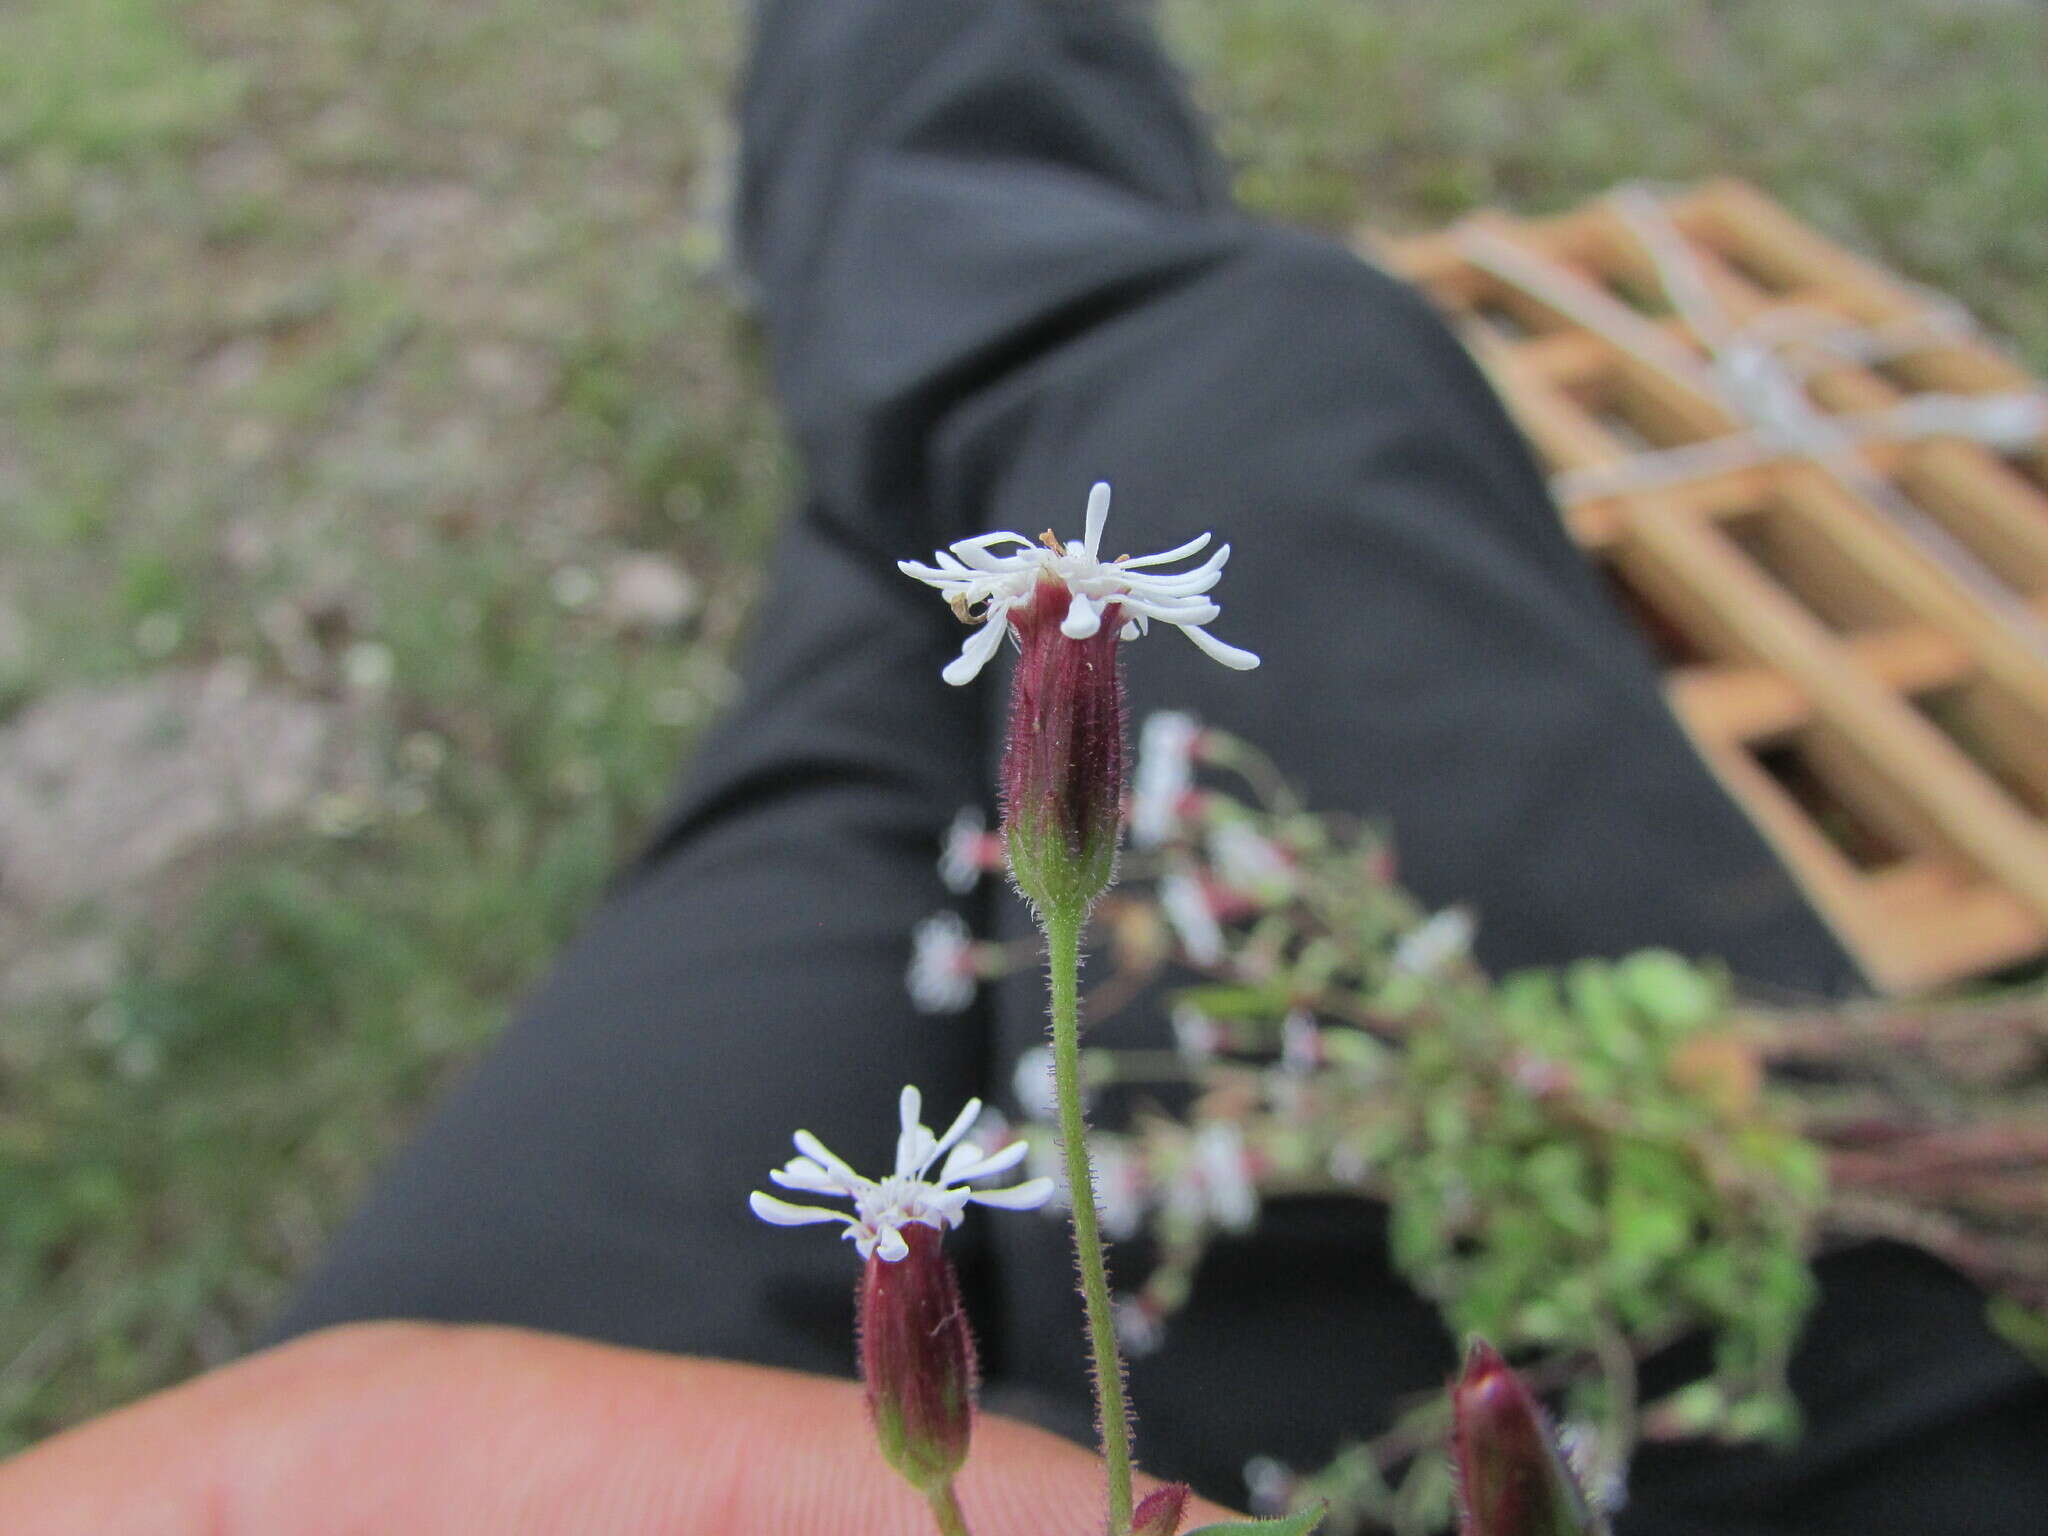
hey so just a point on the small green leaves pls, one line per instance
(1298, 1524)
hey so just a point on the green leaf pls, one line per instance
(1298, 1524)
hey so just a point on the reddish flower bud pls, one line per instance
(1512, 1480)
(1063, 760)
(1159, 1512)
(917, 1360)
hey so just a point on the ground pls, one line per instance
(385, 465)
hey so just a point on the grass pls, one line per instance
(353, 341)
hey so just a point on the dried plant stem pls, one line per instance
(1063, 949)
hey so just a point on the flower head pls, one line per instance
(1160, 1512)
(882, 1208)
(943, 970)
(1192, 916)
(1165, 777)
(1512, 1480)
(970, 851)
(984, 577)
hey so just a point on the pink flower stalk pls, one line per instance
(917, 1360)
(1512, 1479)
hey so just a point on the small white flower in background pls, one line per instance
(1348, 1164)
(1250, 862)
(942, 974)
(1121, 1192)
(1189, 914)
(1430, 947)
(982, 587)
(883, 1207)
(1139, 1327)
(1195, 1035)
(1227, 1176)
(970, 852)
(1301, 1043)
(1031, 1084)
(1214, 1186)
(1270, 1484)
(1164, 776)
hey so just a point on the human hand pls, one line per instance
(397, 1428)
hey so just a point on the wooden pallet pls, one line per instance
(1866, 675)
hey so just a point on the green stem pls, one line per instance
(946, 1510)
(1113, 1416)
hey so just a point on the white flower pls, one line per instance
(1248, 861)
(1192, 919)
(883, 1207)
(971, 851)
(1164, 776)
(983, 586)
(1429, 947)
(1211, 1181)
(1119, 1190)
(1196, 1036)
(1301, 1043)
(1270, 1485)
(942, 971)
(1031, 1082)
(1139, 1327)
(1224, 1172)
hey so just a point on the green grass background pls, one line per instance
(408, 317)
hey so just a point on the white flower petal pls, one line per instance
(1165, 557)
(805, 1175)
(988, 562)
(1028, 1196)
(1084, 618)
(819, 1153)
(981, 645)
(1174, 610)
(889, 1244)
(1216, 650)
(1098, 514)
(961, 1123)
(969, 1163)
(782, 1214)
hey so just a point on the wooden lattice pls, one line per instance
(1860, 652)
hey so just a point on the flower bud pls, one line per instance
(1159, 1512)
(1063, 760)
(917, 1360)
(1512, 1480)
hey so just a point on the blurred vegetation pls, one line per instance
(354, 340)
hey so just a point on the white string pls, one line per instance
(1756, 380)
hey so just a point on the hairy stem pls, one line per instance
(1063, 947)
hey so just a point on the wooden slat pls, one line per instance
(1756, 703)
(1977, 818)
(1937, 920)
(1964, 822)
